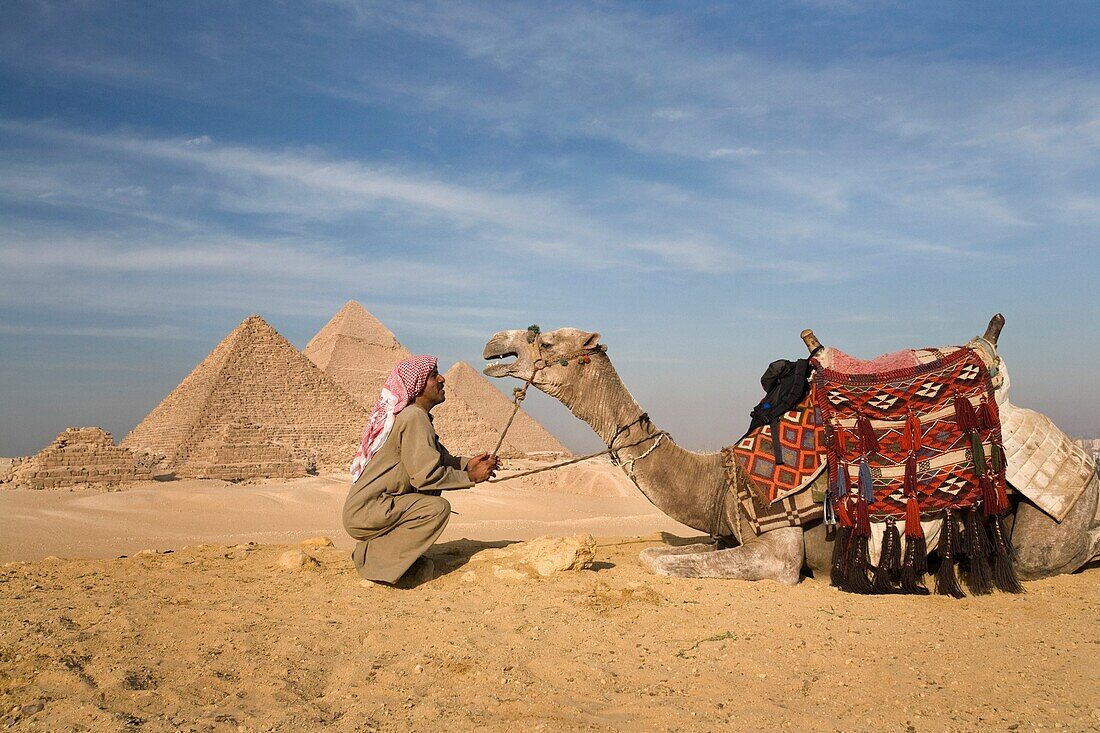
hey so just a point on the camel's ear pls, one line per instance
(591, 341)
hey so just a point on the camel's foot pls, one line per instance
(775, 555)
(649, 555)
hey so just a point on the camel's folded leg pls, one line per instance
(775, 555)
(1045, 547)
(648, 555)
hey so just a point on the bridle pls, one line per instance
(582, 356)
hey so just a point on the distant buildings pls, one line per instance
(1092, 445)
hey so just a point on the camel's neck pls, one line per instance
(679, 482)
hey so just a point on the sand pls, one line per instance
(219, 637)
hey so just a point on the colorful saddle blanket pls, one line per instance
(928, 432)
(802, 443)
(795, 509)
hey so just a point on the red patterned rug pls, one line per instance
(912, 443)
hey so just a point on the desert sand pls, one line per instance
(200, 628)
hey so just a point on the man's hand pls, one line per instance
(482, 467)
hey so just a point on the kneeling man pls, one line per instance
(394, 509)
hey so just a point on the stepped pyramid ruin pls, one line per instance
(78, 456)
(357, 352)
(475, 412)
(254, 377)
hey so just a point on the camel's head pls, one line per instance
(552, 357)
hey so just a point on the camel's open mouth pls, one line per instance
(501, 368)
(504, 345)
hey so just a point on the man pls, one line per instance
(394, 509)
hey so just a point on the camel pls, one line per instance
(692, 487)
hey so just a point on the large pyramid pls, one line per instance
(475, 412)
(254, 377)
(357, 352)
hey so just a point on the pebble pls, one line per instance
(316, 542)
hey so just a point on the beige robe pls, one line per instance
(394, 510)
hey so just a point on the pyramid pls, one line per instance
(357, 352)
(237, 451)
(79, 456)
(475, 412)
(254, 376)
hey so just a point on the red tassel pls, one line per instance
(986, 421)
(842, 515)
(994, 498)
(841, 440)
(965, 416)
(866, 434)
(911, 437)
(913, 528)
(910, 485)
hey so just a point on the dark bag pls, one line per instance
(785, 383)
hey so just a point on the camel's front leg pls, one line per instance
(775, 555)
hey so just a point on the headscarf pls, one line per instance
(405, 383)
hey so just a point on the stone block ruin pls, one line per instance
(78, 457)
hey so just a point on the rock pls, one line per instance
(548, 555)
(469, 577)
(512, 574)
(141, 553)
(297, 560)
(315, 542)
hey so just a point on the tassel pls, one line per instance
(843, 480)
(889, 560)
(868, 440)
(911, 437)
(829, 511)
(979, 578)
(946, 582)
(1004, 572)
(839, 570)
(915, 565)
(978, 453)
(964, 414)
(986, 420)
(866, 483)
(842, 514)
(997, 457)
(991, 498)
(859, 562)
(841, 440)
(910, 484)
(862, 526)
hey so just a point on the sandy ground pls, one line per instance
(215, 637)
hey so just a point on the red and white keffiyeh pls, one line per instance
(405, 383)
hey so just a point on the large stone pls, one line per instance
(549, 555)
(542, 556)
(297, 560)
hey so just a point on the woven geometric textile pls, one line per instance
(802, 441)
(907, 433)
(793, 510)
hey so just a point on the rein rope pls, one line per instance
(583, 356)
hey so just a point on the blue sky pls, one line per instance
(696, 181)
